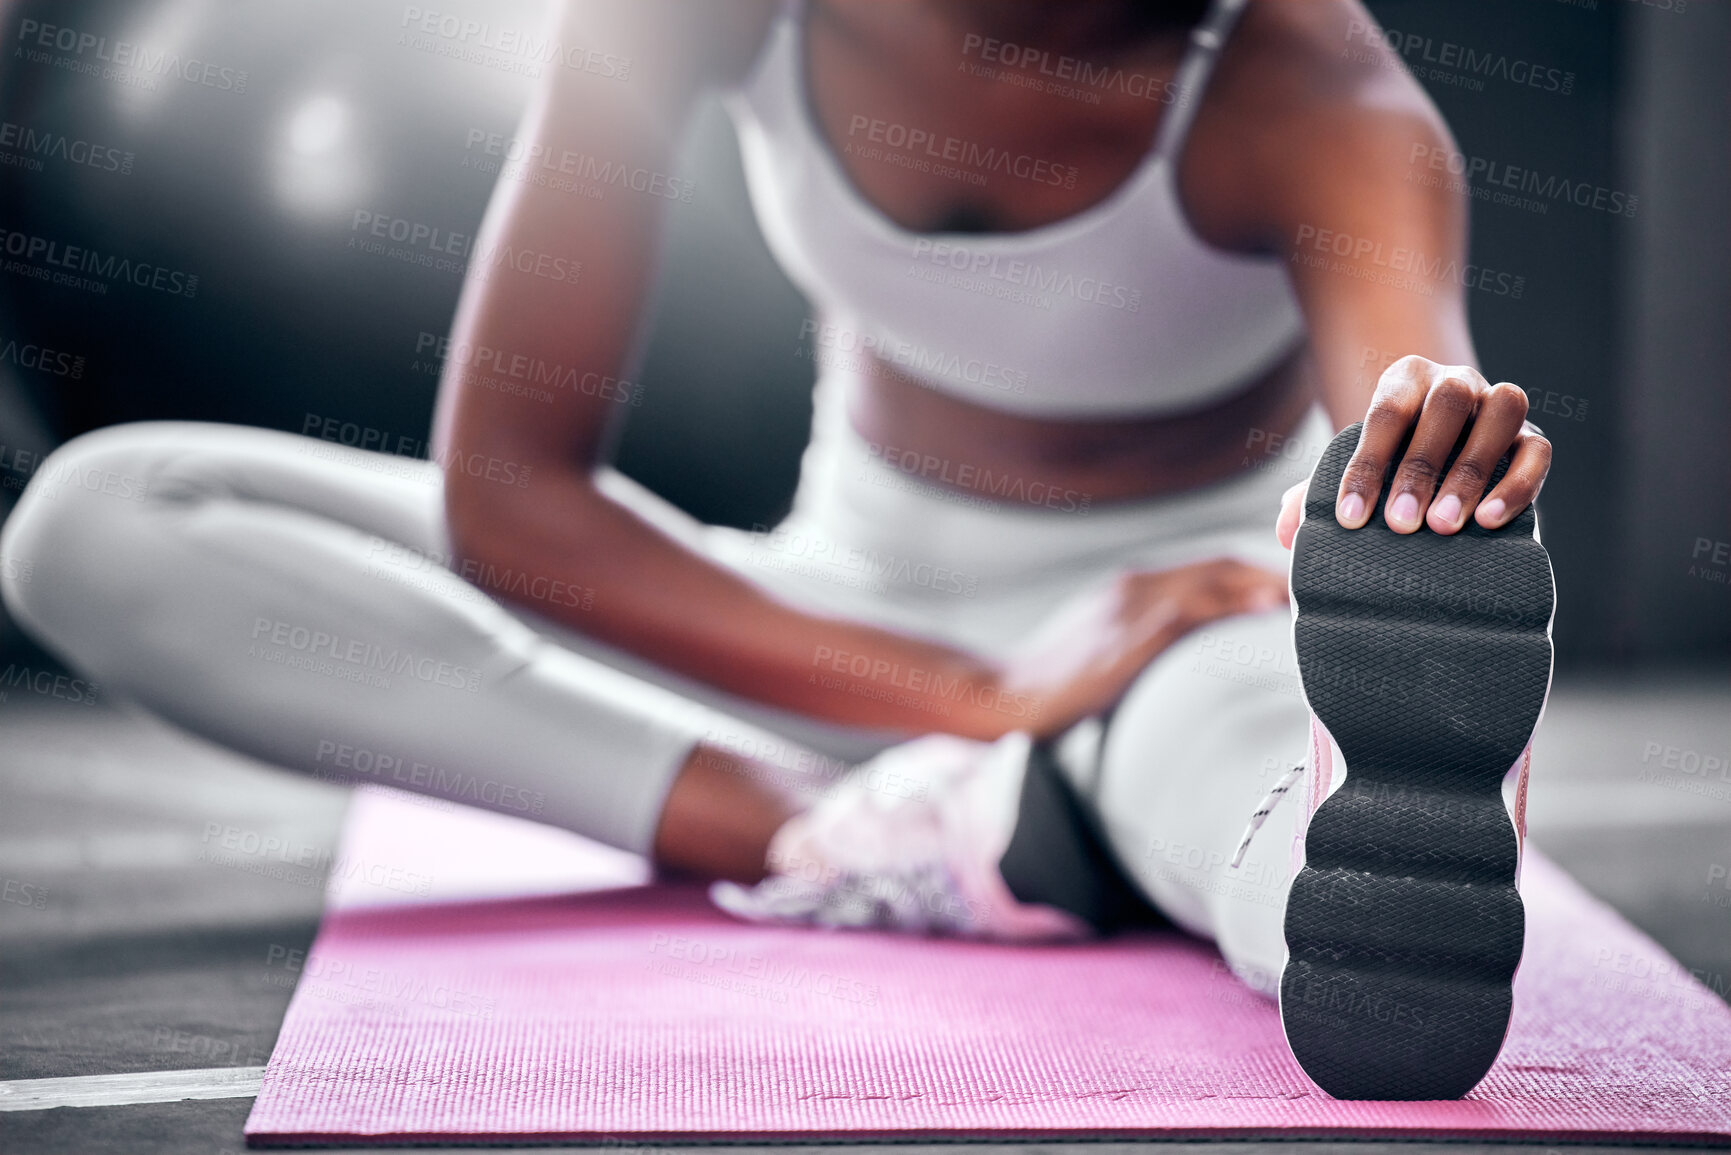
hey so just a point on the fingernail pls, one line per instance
(1447, 511)
(1492, 510)
(1351, 508)
(1403, 510)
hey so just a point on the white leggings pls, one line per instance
(289, 598)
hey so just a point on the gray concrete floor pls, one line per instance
(122, 950)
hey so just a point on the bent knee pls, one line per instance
(60, 541)
(1209, 678)
(1214, 709)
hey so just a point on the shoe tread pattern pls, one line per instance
(1428, 658)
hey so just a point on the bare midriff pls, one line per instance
(956, 442)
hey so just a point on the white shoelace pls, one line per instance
(1284, 784)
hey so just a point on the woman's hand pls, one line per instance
(1083, 658)
(1434, 404)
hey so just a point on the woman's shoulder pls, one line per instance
(1316, 72)
(1307, 105)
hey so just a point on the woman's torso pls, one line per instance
(996, 235)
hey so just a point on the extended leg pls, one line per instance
(273, 594)
(1191, 751)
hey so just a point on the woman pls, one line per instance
(1084, 275)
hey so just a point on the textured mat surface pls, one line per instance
(639, 1012)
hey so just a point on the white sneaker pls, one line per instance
(1426, 662)
(910, 841)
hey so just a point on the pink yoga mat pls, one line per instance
(435, 1006)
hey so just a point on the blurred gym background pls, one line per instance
(248, 171)
(250, 179)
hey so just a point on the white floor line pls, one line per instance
(141, 1087)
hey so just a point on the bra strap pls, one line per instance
(1206, 41)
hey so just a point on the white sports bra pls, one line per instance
(1117, 310)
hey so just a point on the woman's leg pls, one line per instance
(248, 586)
(1192, 749)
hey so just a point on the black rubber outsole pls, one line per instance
(1428, 659)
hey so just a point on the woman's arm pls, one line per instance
(1377, 248)
(652, 595)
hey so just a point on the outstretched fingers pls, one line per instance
(1502, 413)
(1448, 406)
(1398, 401)
(1426, 407)
(1520, 485)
